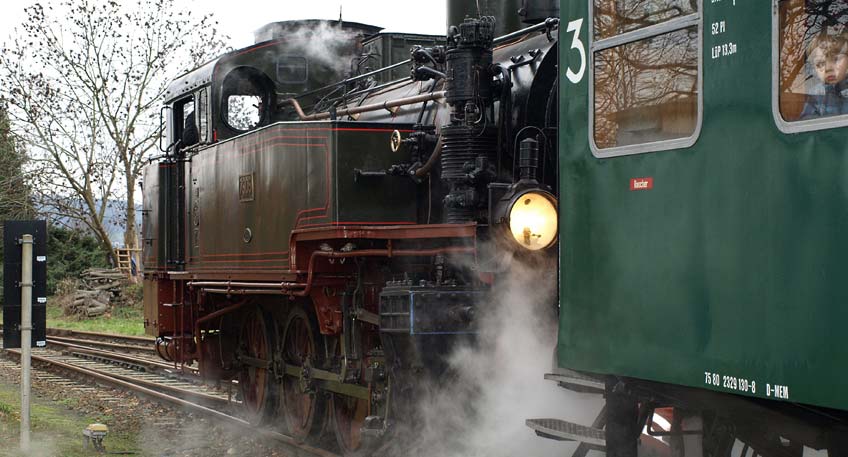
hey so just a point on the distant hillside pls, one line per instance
(114, 220)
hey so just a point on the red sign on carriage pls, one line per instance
(641, 184)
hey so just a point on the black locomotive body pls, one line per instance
(324, 233)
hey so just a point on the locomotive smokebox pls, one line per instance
(506, 11)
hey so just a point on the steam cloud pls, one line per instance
(497, 384)
(499, 380)
(324, 43)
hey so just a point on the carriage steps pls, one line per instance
(576, 381)
(590, 438)
(561, 430)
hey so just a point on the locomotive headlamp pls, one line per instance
(533, 219)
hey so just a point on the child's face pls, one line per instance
(831, 66)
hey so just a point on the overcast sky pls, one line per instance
(239, 18)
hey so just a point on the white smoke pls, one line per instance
(500, 380)
(325, 43)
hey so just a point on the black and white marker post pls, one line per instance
(26, 336)
(24, 301)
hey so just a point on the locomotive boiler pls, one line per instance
(333, 204)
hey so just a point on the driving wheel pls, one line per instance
(302, 405)
(255, 378)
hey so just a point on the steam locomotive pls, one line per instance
(334, 205)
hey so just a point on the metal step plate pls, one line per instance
(577, 381)
(567, 431)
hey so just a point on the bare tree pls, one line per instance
(15, 201)
(84, 80)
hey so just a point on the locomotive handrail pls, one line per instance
(548, 24)
(285, 288)
(387, 105)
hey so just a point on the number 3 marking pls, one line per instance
(574, 26)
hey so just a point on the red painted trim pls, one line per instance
(301, 214)
(254, 48)
(251, 254)
(218, 269)
(369, 130)
(200, 262)
(338, 224)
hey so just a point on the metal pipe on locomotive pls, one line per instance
(324, 239)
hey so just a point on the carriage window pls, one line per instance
(614, 17)
(646, 82)
(812, 68)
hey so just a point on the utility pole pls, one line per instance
(26, 337)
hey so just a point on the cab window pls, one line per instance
(202, 117)
(646, 75)
(292, 69)
(247, 96)
(812, 63)
(185, 123)
(244, 111)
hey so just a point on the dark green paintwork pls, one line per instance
(734, 263)
(303, 177)
(154, 235)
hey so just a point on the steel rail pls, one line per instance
(123, 357)
(126, 347)
(291, 444)
(129, 379)
(68, 332)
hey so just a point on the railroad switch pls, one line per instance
(93, 436)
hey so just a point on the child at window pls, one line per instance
(828, 55)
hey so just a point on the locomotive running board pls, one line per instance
(561, 430)
(576, 381)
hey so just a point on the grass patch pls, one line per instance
(124, 320)
(56, 431)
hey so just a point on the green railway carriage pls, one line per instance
(704, 214)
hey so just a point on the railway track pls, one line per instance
(104, 340)
(78, 355)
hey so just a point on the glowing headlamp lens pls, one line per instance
(533, 220)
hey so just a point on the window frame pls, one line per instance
(282, 58)
(791, 127)
(679, 23)
(202, 105)
(178, 116)
(260, 123)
